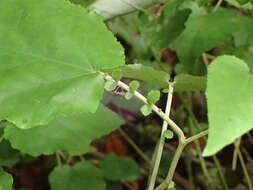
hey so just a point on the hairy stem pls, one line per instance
(159, 151)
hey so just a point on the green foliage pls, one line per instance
(84, 3)
(52, 57)
(230, 105)
(128, 95)
(245, 4)
(63, 76)
(6, 180)
(8, 155)
(153, 96)
(205, 32)
(146, 74)
(120, 168)
(172, 186)
(172, 22)
(134, 85)
(186, 82)
(71, 134)
(116, 74)
(110, 85)
(146, 109)
(168, 134)
(77, 177)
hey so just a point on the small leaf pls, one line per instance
(134, 85)
(6, 180)
(129, 95)
(168, 134)
(165, 90)
(230, 104)
(146, 109)
(153, 96)
(81, 176)
(123, 168)
(117, 74)
(110, 85)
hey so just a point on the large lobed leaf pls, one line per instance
(71, 134)
(51, 52)
(230, 104)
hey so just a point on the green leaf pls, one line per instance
(127, 28)
(230, 103)
(134, 85)
(160, 31)
(128, 95)
(113, 185)
(6, 180)
(71, 134)
(243, 53)
(153, 96)
(84, 3)
(165, 90)
(8, 155)
(146, 109)
(110, 85)
(123, 168)
(168, 134)
(117, 74)
(237, 4)
(81, 176)
(186, 82)
(50, 67)
(203, 33)
(146, 74)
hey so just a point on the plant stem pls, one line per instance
(201, 159)
(197, 136)
(176, 129)
(222, 177)
(173, 166)
(58, 159)
(159, 151)
(235, 153)
(134, 146)
(217, 5)
(245, 171)
(157, 110)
